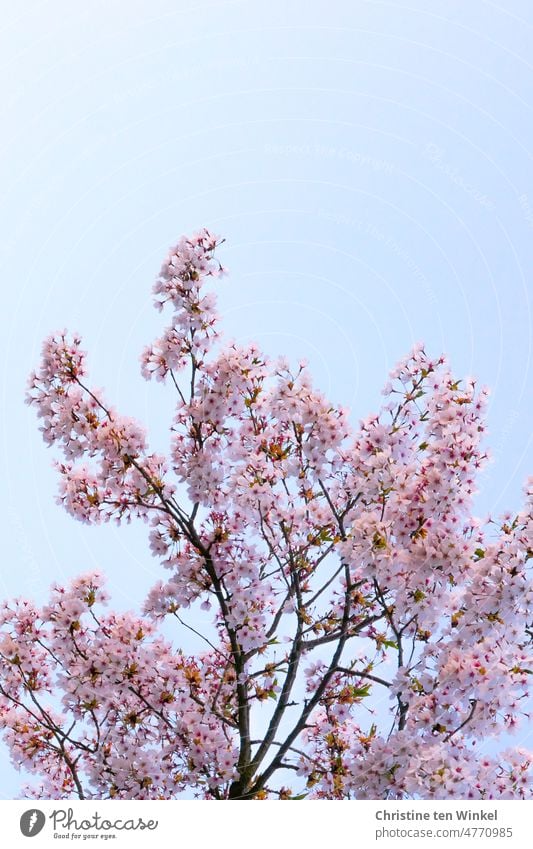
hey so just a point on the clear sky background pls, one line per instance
(369, 164)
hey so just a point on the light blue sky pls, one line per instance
(369, 164)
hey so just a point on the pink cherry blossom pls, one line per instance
(335, 563)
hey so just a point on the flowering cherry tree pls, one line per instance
(366, 631)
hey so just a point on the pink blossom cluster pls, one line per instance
(334, 563)
(345, 763)
(121, 480)
(134, 719)
(179, 284)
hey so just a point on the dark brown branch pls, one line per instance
(451, 734)
(314, 701)
(359, 674)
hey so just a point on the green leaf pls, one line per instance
(360, 692)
